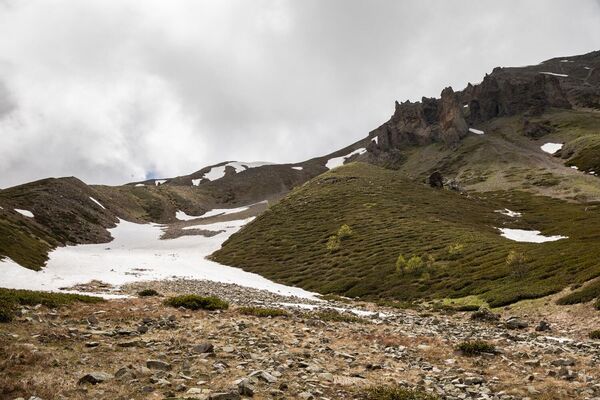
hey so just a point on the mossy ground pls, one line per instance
(391, 215)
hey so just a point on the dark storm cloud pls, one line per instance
(111, 90)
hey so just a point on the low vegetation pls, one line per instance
(583, 294)
(263, 312)
(336, 316)
(195, 302)
(148, 293)
(396, 393)
(450, 238)
(595, 335)
(475, 347)
(10, 299)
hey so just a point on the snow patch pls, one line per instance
(298, 168)
(196, 182)
(217, 225)
(509, 213)
(522, 235)
(97, 202)
(574, 167)
(182, 216)
(138, 254)
(376, 139)
(139, 184)
(159, 182)
(26, 213)
(219, 172)
(476, 131)
(551, 148)
(554, 74)
(339, 161)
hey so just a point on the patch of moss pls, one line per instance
(195, 302)
(11, 298)
(475, 347)
(396, 393)
(263, 312)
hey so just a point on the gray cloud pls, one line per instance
(112, 90)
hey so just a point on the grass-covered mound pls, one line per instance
(195, 302)
(10, 299)
(411, 241)
(476, 347)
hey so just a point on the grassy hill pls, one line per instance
(389, 215)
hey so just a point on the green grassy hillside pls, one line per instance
(388, 215)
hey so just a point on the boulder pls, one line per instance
(158, 364)
(95, 378)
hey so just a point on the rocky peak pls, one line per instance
(420, 123)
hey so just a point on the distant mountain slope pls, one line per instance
(484, 138)
(390, 215)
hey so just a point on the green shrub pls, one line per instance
(597, 304)
(595, 335)
(400, 264)
(414, 265)
(7, 310)
(333, 243)
(195, 302)
(455, 250)
(344, 232)
(148, 293)
(263, 312)
(396, 393)
(336, 316)
(517, 263)
(475, 347)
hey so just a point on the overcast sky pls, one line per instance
(114, 91)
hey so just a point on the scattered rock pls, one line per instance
(95, 378)
(158, 364)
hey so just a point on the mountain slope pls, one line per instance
(390, 216)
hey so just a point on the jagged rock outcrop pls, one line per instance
(421, 123)
(505, 93)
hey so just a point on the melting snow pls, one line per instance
(554, 74)
(182, 216)
(552, 147)
(339, 161)
(139, 184)
(297, 168)
(26, 213)
(376, 139)
(521, 235)
(355, 311)
(509, 213)
(216, 226)
(137, 254)
(476, 131)
(574, 167)
(196, 182)
(159, 181)
(97, 202)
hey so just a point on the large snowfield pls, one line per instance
(136, 254)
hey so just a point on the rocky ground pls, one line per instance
(138, 348)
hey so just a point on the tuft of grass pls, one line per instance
(595, 335)
(336, 316)
(475, 347)
(584, 294)
(11, 298)
(195, 302)
(597, 304)
(396, 393)
(148, 293)
(263, 312)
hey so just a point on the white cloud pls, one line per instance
(109, 90)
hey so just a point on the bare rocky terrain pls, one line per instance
(138, 348)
